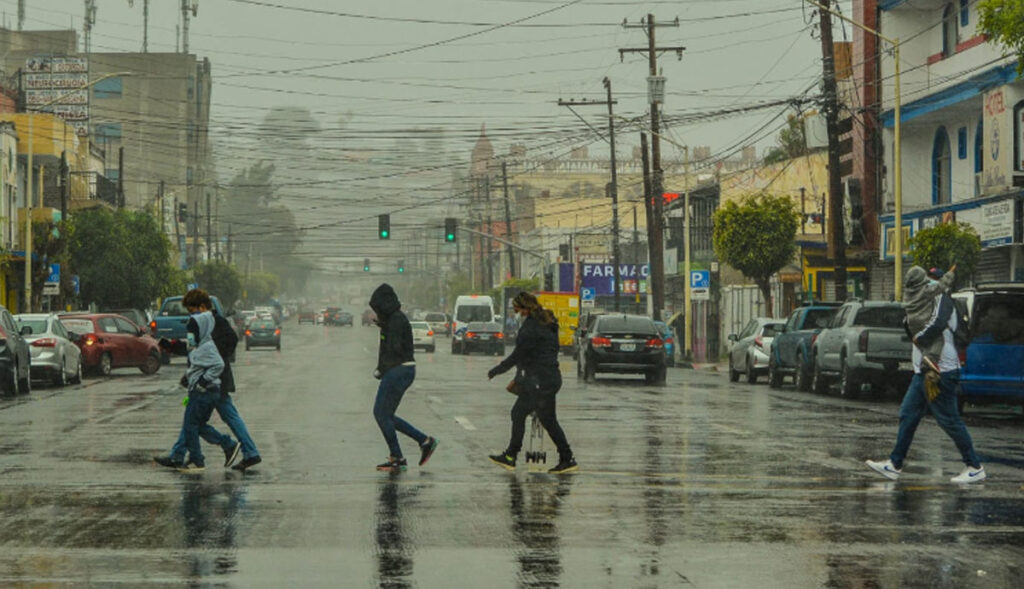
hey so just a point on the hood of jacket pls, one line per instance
(384, 301)
(914, 284)
(205, 322)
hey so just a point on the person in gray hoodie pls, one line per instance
(202, 381)
(921, 297)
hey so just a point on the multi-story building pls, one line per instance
(962, 129)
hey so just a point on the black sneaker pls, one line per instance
(247, 462)
(564, 466)
(427, 449)
(231, 454)
(506, 461)
(168, 462)
(393, 465)
(193, 466)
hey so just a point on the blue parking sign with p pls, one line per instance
(700, 279)
(587, 294)
(54, 273)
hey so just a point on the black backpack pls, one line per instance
(961, 335)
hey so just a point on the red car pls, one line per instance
(111, 341)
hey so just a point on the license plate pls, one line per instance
(627, 347)
(485, 337)
(906, 366)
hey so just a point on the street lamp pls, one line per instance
(898, 168)
(29, 192)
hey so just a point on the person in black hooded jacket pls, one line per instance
(396, 369)
(537, 381)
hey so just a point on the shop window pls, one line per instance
(965, 12)
(949, 16)
(979, 152)
(961, 143)
(941, 172)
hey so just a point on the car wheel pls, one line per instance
(656, 376)
(430, 349)
(670, 362)
(10, 384)
(733, 375)
(751, 375)
(774, 378)
(278, 346)
(589, 372)
(165, 358)
(247, 347)
(106, 365)
(801, 378)
(152, 363)
(818, 383)
(848, 385)
(455, 350)
(61, 378)
(77, 377)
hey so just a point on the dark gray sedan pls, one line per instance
(262, 332)
(485, 337)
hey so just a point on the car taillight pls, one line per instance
(470, 334)
(430, 332)
(277, 332)
(90, 339)
(152, 325)
(248, 332)
(656, 343)
(499, 335)
(45, 342)
(862, 342)
(601, 342)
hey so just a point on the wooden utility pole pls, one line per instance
(120, 177)
(836, 227)
(209, 230)
(177, 230)
(195, 235)
(648, 200)
(613, 186)
(657, 245)
(508, 222)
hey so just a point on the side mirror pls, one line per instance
(26, 330)
(74, 336)
(732, 337)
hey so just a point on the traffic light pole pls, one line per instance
(504, 241)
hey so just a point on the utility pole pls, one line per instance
(687, 293)
(195, 235)
(163, 208)
(655, 86)
(64, 186)
(490, 232)
(209, 230)
(648, 201)
(21, 15)
(229, 244)
(613, 186)
(177, 230)
(836, 228)
(120, 177)
(636, 252)
(508, 222)
(87, 22)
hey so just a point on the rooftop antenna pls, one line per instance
(145, 23)
(187, 6)
(88, 22)
(21, 14)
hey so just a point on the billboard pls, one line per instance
(57, 83)
(601, 277)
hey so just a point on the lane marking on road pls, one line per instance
(730, 430)
(465, 423)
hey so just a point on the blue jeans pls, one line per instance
(393, 385)
(915, 406)
(197, 414)
(229, 415)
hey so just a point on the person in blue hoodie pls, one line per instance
(396, 369)
(202, 380)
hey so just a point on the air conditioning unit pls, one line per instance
(978, 183)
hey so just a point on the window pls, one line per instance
(107, 131)
(107, 324)
(888, 316)
(941, 174)
(965, 12)
(961, 143)
(948, 31)
(979, 153)
(109, 88)
(188, 175)
(113, 174)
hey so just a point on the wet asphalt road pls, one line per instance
(700, 483)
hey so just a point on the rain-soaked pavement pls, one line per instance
(700, 483)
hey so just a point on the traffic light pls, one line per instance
(401, 266)
(366, 264)
(450, 225)
(182, 211)
(384, 226)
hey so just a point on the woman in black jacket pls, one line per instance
(537, 381)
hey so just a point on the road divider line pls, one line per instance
(465, 423)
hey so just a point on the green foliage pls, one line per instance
(756, 236)
(260, 287)
(791, 141)
(1002, 21)
(220, 279)
(947, 244)
(122, 258)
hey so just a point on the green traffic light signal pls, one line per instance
(384, 234)
(384, 226)
(366, 264)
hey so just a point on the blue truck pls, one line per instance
(993, 362)
(169, 323)
(790, 353)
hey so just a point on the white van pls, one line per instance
(469, 308)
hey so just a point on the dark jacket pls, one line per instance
(395, 332)
(535, 356)
(226, 340)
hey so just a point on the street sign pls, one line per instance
(192, 286)
(588, 304)
(75, 283)
(700, 294)
(700, 279)
(588, 294)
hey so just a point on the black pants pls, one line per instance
(543, 403)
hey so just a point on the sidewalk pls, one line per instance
(705, 366)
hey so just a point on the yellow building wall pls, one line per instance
(51, 136)
(784, 179)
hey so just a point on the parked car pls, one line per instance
(307, 316)
(470, 309)
(586, 324)
(169, 323)
(109, 341)
(263, 333)
(865, 343)
(339, 317)
(670, 342)
(54, 355)
(422, 336)
(483, 336)
(749, 352)
(622, 344)
(15, 357)
(438, 322)
(791, 348)
(993, 367)
(136, 316)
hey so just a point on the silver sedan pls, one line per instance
(54, 355)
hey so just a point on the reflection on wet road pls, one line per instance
(700, 483)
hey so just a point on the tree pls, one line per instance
(122, 258)
(757, 237)
(260, 287)
(947, 244)
(221, 279)
(1002, 21)
(792, 142)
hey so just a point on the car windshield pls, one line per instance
(889, 316)
(470, 313)
(999, 319)
(626, 325)
(419, 325)
(78, 325)
(263, 325)
(818, 318)
(771, 329)
(484, 326)
(38, 325)
(173, 309)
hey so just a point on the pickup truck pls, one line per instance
(169, 322)
(864, 343)
(791, 348)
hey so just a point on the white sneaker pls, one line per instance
(969, 475)
(886, 469)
